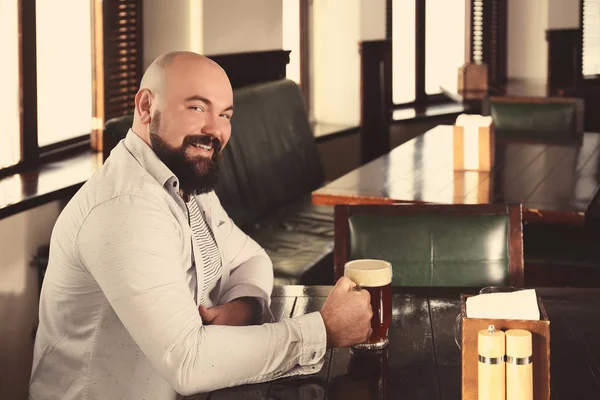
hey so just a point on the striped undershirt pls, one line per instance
(209, 252)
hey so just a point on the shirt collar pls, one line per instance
(150, 161)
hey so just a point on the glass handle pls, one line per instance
(458, 331)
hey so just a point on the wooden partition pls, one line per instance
(564, 60)
(375, 98)
(248, 68)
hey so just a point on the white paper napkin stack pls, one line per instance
(520, 305)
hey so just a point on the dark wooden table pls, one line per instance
(422, 360)
(550, 180)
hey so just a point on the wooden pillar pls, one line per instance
(375, 98)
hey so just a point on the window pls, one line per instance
(46, 97)
(64, 70)
(444, 43)
(291, 37)
(10, 129)
(403, 51)
(590, 23)
(428, 40)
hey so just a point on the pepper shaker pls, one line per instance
(491, 368)
(519, 365)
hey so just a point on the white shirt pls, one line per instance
(118, 319)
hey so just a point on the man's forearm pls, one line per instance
(252, 279)
(252, 309)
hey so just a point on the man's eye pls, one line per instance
(226, 116)
(197, 108)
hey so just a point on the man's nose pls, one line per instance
(211, 127)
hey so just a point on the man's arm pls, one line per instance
(239, 312)
(134, 251)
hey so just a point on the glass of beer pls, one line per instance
(375, 276)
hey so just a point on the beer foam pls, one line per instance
(369, 273)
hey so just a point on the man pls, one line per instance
(150, 287)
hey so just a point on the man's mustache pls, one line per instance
(207, 140)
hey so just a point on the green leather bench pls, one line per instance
(434, 245)
(536, 118)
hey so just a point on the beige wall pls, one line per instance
(171, 25)
(372, 19)
(527, 25)
(527, 47)
(20, 237)
(563, 14)
(338, 27)
(211, 26)
(232, 26)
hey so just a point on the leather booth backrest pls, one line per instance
(440, 250)
(535, 120)
(114, 130)
(271, 158)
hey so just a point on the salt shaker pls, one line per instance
(519, 365)
(491, 367)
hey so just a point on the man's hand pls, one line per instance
(347, 315)
(238, 312)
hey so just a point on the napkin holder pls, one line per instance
(540, 332)
(472, 81)
(473, 150)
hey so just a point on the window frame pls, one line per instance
(422, 99)
(497, 73)
(33, 155)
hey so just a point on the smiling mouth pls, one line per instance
(204, 142)
(206, 147)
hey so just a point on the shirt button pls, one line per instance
(174, 183)
(314, 354)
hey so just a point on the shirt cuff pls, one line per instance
(314, 345)
(314, 338)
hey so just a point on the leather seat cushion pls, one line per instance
(299, 240)
(435, 250)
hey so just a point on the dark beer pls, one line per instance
(381, 304)
(375, 276)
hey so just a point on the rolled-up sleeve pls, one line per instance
(133, 250)
(250, 270)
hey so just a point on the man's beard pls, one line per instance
(196, 174)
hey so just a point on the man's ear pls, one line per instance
(143, 104)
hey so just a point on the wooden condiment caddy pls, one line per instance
(540, 331)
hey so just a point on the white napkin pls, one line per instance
(513, 305)
(475, 120)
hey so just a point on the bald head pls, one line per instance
(174, 84)
(157, 76)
